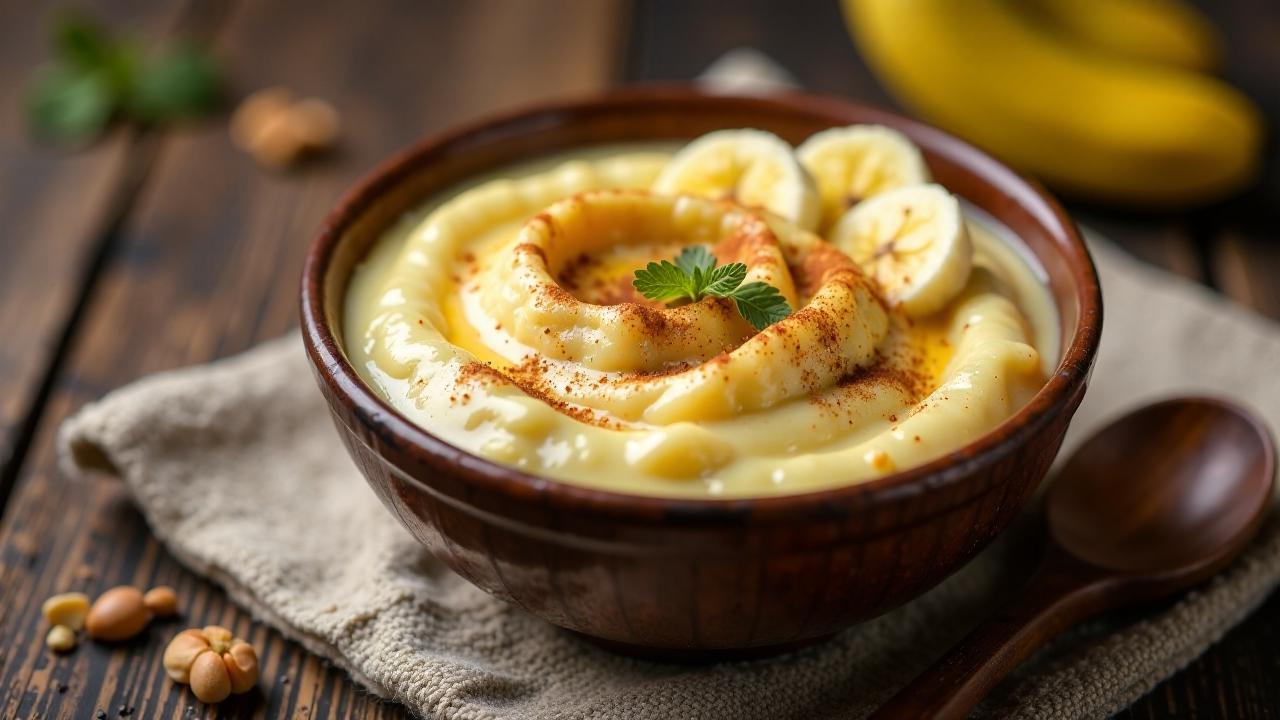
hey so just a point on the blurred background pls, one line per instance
(152, 218)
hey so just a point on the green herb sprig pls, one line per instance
(695, 275)
(97, 77)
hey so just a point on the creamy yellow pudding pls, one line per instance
(504, 317)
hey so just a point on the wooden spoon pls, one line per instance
(1152, 505)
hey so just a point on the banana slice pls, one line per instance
(752, 167)
(851, 164)
(913, 241)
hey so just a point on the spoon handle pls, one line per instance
(1061, 593)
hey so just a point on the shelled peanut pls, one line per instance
(277, 129)
(212, 661)
(117, 614)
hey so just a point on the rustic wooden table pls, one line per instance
(151, 251)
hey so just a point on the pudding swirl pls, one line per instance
(640, 361)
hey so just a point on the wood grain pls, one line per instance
(1243, 235)
(205, 265)
(53, 241)
(678, 40)
(1244, 268)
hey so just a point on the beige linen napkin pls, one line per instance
(239, 472)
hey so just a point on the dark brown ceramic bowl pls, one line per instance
(678, 575)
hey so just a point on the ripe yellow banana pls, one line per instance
(1168, 32)
(1086, 121)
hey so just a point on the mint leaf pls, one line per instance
(82, 43)
(694, 275)
(664, 281)
(695, 258)
(97, 76)
(761, 304)
(725, 279)
(70, 105)
(181, 83)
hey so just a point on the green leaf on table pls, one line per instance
(81, 42)
(183, 82)
(97, 77)
(70, 105)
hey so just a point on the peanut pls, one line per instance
(209, 678)
(242, 665)
(277, 130)
(67, 609)
(212, 661)
(162, 601)
(118, 614)
(60, 639)
(276, 143)
(256, 109)
(316, 123)
(181, 653)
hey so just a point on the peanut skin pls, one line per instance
(209, 678)
(162, 601)
(60, 639)
(118, 614)
(242, 665)
(181, 653)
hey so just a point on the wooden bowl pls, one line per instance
(689, 577)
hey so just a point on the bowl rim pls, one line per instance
(334, 369)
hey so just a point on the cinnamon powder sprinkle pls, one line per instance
(904, 375)
(523, 377)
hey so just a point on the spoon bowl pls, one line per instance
(1175, 488)
(1153, 504)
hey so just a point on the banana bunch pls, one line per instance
(1106, 99)
(865, 188)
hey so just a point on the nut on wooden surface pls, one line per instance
(212, 661)
(60, 639)
(117, 614)
(278, 130)
(255, 110)
(316, 123)
(162, 601)
(67, 609)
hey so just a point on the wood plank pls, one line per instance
(1165, 241)
(678, 40)
(57, 207)
(1246, 267)
(1244, 234)
(207, 266)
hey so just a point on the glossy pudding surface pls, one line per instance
(503, 317)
